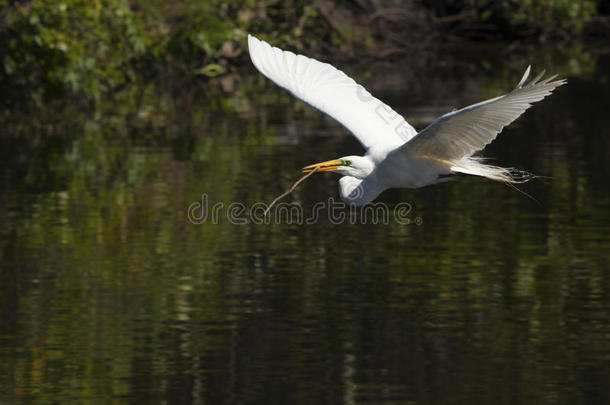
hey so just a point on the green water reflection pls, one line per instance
(110, 294)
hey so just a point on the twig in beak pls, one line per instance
(315, 169)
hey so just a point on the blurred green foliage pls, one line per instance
(51, 49)
(548, 17)
(83, 51)
(58, 48)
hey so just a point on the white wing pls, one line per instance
(333, 92)
(463, 132)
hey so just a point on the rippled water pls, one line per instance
(110, 294)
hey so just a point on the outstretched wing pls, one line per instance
(333, 92)
(463, 132)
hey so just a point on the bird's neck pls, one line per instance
(358, 191)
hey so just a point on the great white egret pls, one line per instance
(396, 154)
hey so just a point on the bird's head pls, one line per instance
(355, 166)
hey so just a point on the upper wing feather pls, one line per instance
(333, 92)
(463, 132)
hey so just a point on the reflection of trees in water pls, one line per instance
(109, 291)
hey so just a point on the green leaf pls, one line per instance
(211, 70)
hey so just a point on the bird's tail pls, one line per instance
(477, 167)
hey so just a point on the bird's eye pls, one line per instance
(346, 162)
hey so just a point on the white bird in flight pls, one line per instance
(397, 156)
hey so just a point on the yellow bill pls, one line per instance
(324, 166)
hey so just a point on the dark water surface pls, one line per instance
(109, 294)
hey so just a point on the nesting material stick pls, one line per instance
(315, 169)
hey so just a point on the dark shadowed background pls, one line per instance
(117, 116)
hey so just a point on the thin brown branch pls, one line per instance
(289, 191)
